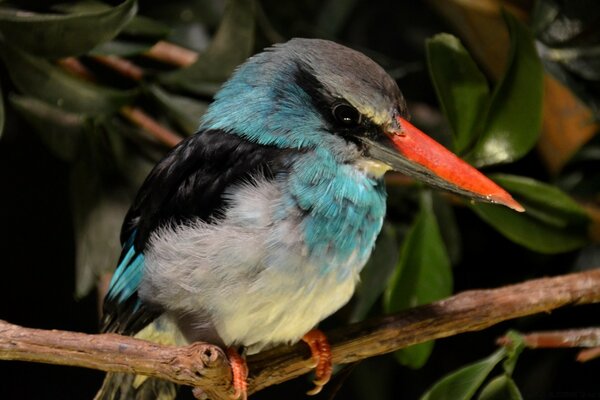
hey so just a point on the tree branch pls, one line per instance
(205, 365)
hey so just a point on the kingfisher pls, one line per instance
(253, 230)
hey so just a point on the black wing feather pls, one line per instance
(188, 183)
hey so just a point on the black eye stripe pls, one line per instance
(346, 115)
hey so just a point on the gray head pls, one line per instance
(345, 75)
(301, 92)
(310, 93)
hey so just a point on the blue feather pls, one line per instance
(127, 276)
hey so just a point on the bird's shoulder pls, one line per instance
(190, 182)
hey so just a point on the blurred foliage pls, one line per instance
(71, 70)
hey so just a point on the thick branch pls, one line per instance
(205, 365)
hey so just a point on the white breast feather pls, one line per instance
(249, 275)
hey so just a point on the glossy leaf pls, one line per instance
(448, 225)
(104, 181)
(98, 212)
(501, 388)
(59, 130)
(376, 273)
(56, 35)
(422, 275)
(121, 48)
(139, 25)
(567, 34)
(333, 15)
(544, 198)
(184, 111)
(514, 349)
(38, 78)
(462, 89)
(231, 45)
(463, 383)
(513, 121)
(552, 222)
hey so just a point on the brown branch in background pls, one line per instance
(76, 68)
(172, 54)
(143, 120)
(122, 66)
(204, 365)
(589, 337)
(588, 354)
(134, 114)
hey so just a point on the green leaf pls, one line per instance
(138, 26)
(422, 275)
(184, 111)
(529, 231)
(501, 388)
(514, 116)
(98, 212)
(416, 355)
(548, 202)
(461, 88)
(55, 35)
(376, 273)
(448, 225)
(38, 78)
(552, 221)
(463, 383)
(122, 48)
(104, 180)
(231, 45)
(59, 130)
(145, 27)
(513, 350)
(333, 16)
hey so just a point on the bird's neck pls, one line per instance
(343, 210)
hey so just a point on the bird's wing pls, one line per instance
(187, 184)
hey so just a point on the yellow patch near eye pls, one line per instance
(374, 168)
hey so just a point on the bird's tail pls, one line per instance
(119, 386)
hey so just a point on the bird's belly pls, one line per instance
(252, 278)
(295, 304)
(253, 288)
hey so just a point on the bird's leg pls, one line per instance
(321, 354)
(239, 370)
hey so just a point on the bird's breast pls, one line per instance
(343, 210)
(286, 255)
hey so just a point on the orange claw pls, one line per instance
(239, 370)
(321, 355)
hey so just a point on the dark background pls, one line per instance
(37, 249)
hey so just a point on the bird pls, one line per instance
(253, 230)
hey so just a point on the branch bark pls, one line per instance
(204, 365)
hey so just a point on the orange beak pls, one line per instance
(408, 150)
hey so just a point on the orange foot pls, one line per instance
(321, 354)
(239, 370)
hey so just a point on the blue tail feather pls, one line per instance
(128, 275)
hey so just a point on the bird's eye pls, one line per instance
(346, 115)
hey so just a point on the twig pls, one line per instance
(143, 120)
(588, 354)
(170, 53)
(76, 68)
(204, 365)
(588, 337)
(122, 66)
(134, 114)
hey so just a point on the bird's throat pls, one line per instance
(372, 168)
